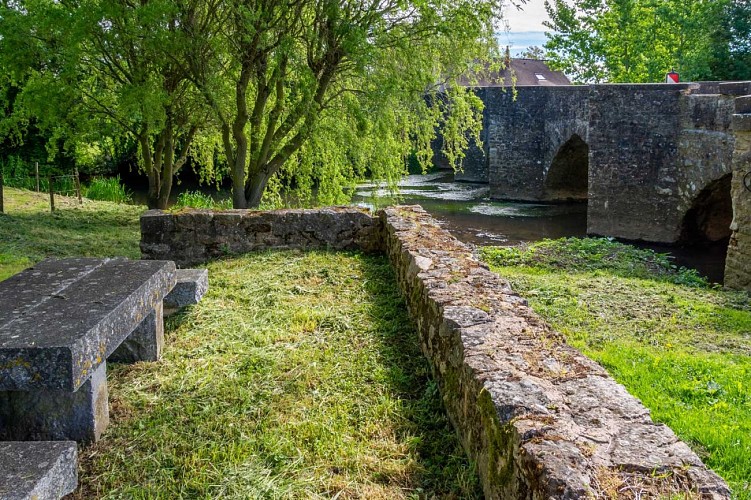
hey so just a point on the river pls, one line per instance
(466, 210)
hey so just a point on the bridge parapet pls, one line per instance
(737, 271)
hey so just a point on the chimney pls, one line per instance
(507, 58)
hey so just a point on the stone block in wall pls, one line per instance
(735, 88)
(540, 419)
(743, 105)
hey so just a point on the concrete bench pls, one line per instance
(60, 321)
(38, 470)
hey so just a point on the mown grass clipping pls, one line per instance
(299, 375)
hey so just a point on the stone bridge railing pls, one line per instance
(541, 420)
(738, 265)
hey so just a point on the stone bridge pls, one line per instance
(654, 162)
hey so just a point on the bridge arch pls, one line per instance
(567, 179)
(711, 213)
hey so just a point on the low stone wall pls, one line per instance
(541, 420)
(737, 268)
(194, 236)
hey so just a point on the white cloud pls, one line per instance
(529, 18)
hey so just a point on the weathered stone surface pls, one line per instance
(641, 154)
(194, 236)
(56, 415)
(145, 343)
(540, 419)
(57, 335)
(47, 279)
(738, 263)
(525, 130)
(735, 88)
(37, 470)
(742, 123)
(743, 105)
(651, 159)
(191, 285)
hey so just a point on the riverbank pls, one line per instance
(681, 346)
(30, 232)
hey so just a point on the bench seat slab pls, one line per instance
(191, 286)
(49, 415)
(59, 341)
(37, 470)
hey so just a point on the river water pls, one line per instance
(466, 211)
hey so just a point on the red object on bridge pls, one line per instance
(672, 77)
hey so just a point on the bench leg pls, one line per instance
(145, 342)
(45, 415)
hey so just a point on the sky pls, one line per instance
(525, 26)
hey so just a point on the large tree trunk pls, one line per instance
(162, 165)
(255, 188)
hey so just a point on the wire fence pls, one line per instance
(55, 185)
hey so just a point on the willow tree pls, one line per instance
(92, 69)
(317, 93)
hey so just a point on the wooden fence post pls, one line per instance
(2, 208)
(52, 194)
(36, 169)
(78, 187)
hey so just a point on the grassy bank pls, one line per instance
(299, 375)
(31, 233)
(680, 346)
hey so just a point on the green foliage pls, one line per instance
(108, 189)
(95, 74)
(641, 40)
(336, 91)
(197, 199)
(678, 345)
(594, 254)
(309, 96)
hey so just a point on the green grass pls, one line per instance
(679, 345)
(299, 375)
(197, 199)
(108, 189)
(31, 233)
